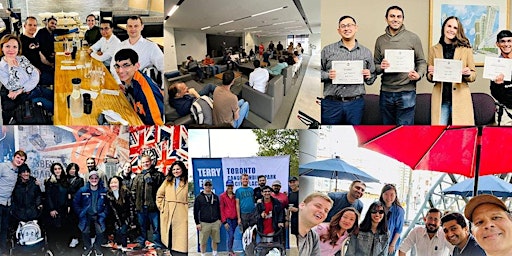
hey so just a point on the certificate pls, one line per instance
(348, 72)
(495, 66)
(449, 71)
(400, 61)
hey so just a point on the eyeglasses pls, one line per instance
(505, 41)
(126, 65)
(379, 212)
(350, 25)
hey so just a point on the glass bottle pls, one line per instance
(76, 102)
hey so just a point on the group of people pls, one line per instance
(73, 210)
(343, 102)
(328, 221)
(271, 210)
(30, 77)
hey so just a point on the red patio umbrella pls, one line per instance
(469, 151)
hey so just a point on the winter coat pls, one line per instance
(144, 187)
(173, 206)
(82, 202)
(57, 199)
(26, 197)
(120, 214)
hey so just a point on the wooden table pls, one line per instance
(121, 26)
(63, 88)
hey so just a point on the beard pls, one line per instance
(431, 229)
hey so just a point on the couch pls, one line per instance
(266, 104)
(171, 116)
(287, 78)
(483, 107)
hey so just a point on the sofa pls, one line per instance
(171, 116)
(287, 78)
(483, 107)
(266, 104)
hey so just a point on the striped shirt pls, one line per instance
(146, 99)
(336, 52)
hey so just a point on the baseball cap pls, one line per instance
(293, 178)
(230, 183)
(93, 173)
(276, 182)
(479, 200)
(208, 182)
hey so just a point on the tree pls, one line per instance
(278, 143)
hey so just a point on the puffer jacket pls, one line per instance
(26, 197)
(82, 203)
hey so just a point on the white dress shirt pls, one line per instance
(258, 79)
(149, 55)
(107, 47)
(418, 238)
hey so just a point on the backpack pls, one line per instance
(29, 233)
(202, 110)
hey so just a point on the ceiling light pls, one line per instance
(269, 11)
(229, 31)
(172, 11)
(206, 28)
(284, 22)
(249, 28)
(224, 23)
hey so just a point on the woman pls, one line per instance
(56, 210)
(334, 234)
(19, 78)
(75, 183)
(394, 215)
(172, 201)
(127, 175)
(451, 102)
(299, 48)
(372, 239)
(121, 211)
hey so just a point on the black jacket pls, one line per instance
(206, 210)
(120, 213)
(75, 183)
(26, 197)
(144, 188)
(277, 214)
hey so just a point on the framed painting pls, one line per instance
(481, 19)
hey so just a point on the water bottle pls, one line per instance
(76, 102)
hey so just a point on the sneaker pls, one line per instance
(98, 253)
(74, 243)
(125, 249)
(87, 253)
(108, 245)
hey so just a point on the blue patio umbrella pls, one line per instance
(488, 184)
(334, 168)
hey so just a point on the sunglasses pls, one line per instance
(379, 212)
(207, 185)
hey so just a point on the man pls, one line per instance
(104, 48)
(8, 177)
(258, 78)
(343, 103)
(313, 211)
(398, 90)
(181, 97)
(244, 196)
(149, 52)
(93, 33)
(262, 182)
(279, 49)
(271, 215)
(144, 188)
(227, 109)
(457, 233)
(276, 69)
(31, 50)
(228, 214)
(46, 38)
(346, 199)
(293, 208)
(92, 166)
(429, 240)
(207, 218)
(193, 66)
(26, 197)
(501, 90)
(143, 94)
(277, 194)
(492, 224)
(90, 204)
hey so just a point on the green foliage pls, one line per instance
(278, 143)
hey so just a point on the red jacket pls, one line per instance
(227, 207)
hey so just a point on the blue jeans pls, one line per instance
(207, 90)
(397, 108)
(344, 113)
(149, 218)
(43, 95)
(4, 227)
(86, 234)
(231, 232)
(214, 69)
(446, 113)
(244, 111)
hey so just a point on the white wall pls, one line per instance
(189, 43)
(170, 63)
(315, 42)
(249, 41)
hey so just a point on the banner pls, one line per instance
(219, 170)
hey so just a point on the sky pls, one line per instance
(224, 143)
